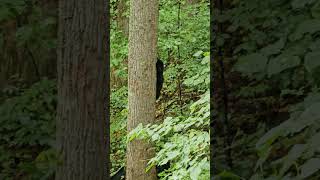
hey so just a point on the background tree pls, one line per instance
(82, 89)
(141, 85)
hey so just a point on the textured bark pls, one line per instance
(142, 83)
(220, 88)
(83, 86)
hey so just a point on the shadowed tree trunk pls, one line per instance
(83, 86)
(142, 83)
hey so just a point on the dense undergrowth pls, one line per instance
(274, 105)
(27, 101)
(27, 128)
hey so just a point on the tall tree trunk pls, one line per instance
(142, 83)
(83, 86)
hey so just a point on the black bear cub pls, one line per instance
(160, 67)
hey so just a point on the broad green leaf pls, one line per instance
(248, 46)
(309, 26)
(5, 14)
(310, 167)
(299, 3)
(195, 172)
(294, 153)
(269, 137)
(311, 99)
(197, 54)
(281, 63)
(172, 154)
(315, 10)
(314, 141)
(311, 114)
(253, 63)
(206, 60)
(291, 92)
(312, 60)
(263, 153)
(273, 48)
(315, 46)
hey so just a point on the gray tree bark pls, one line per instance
(141, 83)
(83, 86)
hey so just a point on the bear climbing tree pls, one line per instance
(160, 68)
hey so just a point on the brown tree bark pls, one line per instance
(221, 85)
(141, 84)
(83, 86)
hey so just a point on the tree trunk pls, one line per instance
(141, 83)
(83, 86)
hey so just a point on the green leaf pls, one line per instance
(173, 154)
(247, 46)
(263, 153)
(312, 60)
(310, 167)
(315, 10)
(281, 63)
(315, 46)
(314, 141)
(291, 92)
(269, 137)
(311, 114)
(299, 3)
(195, 172)
(294, 153)
(253, 63)
(273, 48)
(309, 26)
(197, 54)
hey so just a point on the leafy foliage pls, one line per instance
(34, 24)
(277, 55)
(119, 101)
(28, 132)
(27, 110)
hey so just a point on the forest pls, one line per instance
(192, 90)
